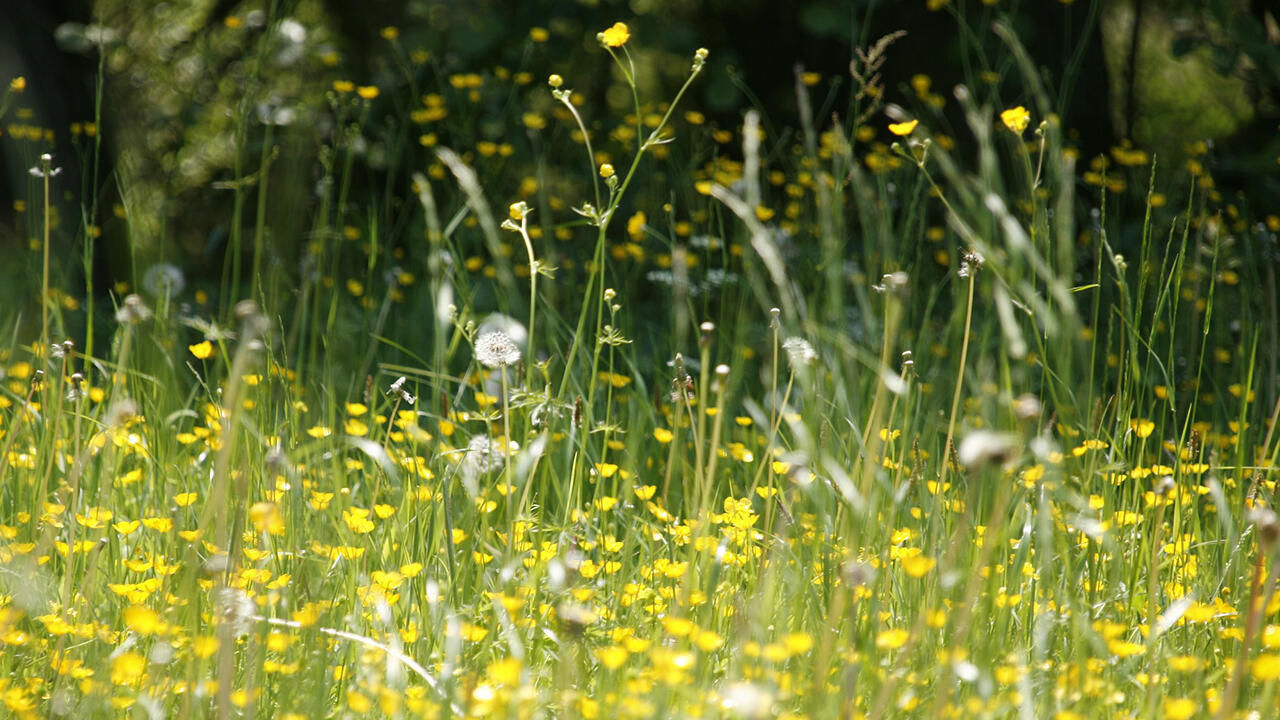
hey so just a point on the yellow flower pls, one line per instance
(1016, 119)
(613, 656)
(142, 620)
(798, 643)
(1179, 708)
(707, 640)
(606, 171)
(19, 83)
(917, 565)
(1142, 428)
(128, 668)
(1124, 648)
(204, 646)
(891, 639)
(555, 81)
(202, 350)
(319, 431)
(357, 520)
(368, 92)
(1267, 667)
(903, 129)
(266, 517)
(678, 627)
(616, 36)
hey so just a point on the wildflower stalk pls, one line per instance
(872, 443)
(704, 388)
(386, 444)
(721, 384)
(1261, 588)
(563, 96)
(451, 550)
(955, 397)
(608, 297)
(772, 439)
(46, 172)
(506, 468)
(535, 268)
(58, 398)
(604, 216)
(775, 409)
(1153, 587)
(629, 72)
(681, 397)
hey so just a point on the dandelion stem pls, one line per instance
(47, 171)
(955, 397)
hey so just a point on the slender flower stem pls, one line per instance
(46, 172)
(955, 398)
(533, 294)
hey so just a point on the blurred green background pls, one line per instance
(158, 112)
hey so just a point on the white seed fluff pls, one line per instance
(483, 455)
(495, 350)
(799, 351)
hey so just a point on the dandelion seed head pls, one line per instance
(858, 573)
(236, 609)
(893, 282)
(747, 700)
(133, 311)
(983, 447)
(799, 351)
(75, 388)
(495, 350)
(164, 280)
(483, 455)
(1268, 524)
(1027, 407)
(121, 412)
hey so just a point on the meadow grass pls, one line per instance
(845, 420)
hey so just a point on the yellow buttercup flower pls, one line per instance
(201, 350)
(616, 36)
(1016, 118)
(1142, 428)
(891, 639)
(903, 128)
